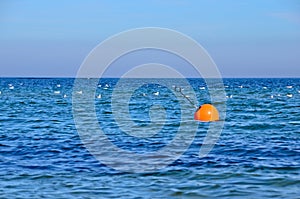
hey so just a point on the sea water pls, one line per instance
(257, 154)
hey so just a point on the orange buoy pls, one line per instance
(206, 113)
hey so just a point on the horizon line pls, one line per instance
(110, 77)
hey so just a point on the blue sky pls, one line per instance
(255, 38)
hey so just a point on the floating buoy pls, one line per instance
(206, 113)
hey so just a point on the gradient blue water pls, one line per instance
(257, 155)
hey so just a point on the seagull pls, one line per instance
(10, 86)
(156, 93)
(99, 96)
(289, 87)
(289, 95)
(79, 92)
(56, 92)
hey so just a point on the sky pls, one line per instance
(254, 38)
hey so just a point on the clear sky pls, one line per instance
(254, 38)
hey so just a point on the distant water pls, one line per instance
(257, 155)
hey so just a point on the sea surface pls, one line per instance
(257, 155)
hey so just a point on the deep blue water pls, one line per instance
(256, 156)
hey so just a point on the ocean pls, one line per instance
(43, 155)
